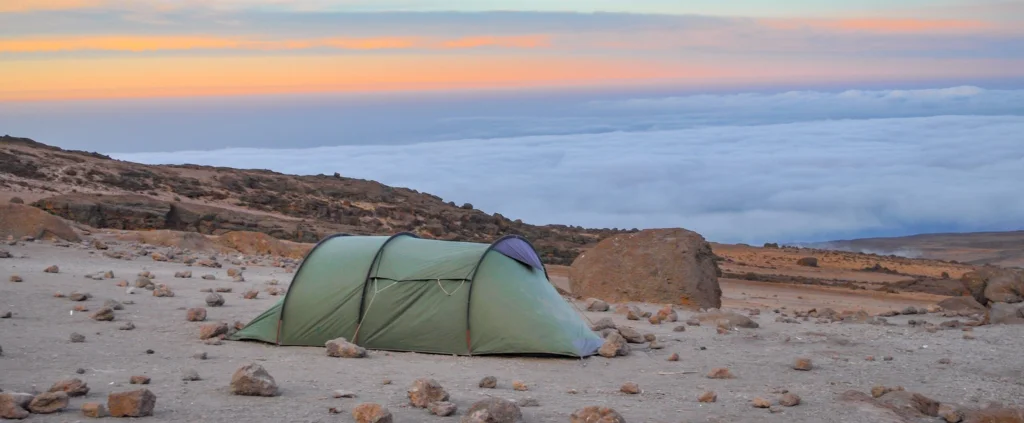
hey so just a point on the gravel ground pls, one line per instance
(37, 352)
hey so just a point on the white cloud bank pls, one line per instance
(802, 181)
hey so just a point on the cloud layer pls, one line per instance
(782, 179)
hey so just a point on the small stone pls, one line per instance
(15, 278)
(197, 314)
(489, 382)
(137, 403)
(789, 399)
(214, 300)
(199, 355)
(11, 407)
(213, 341)
(58, 294)
(708, 396)
(802, 363)
(338, 393)
(614, 345)
(945, 361)
(207, 290)
(77, 337)
(127, 326)
(342, 348)
(595, 414)
(720, 373)
(693, 322)
(518, 385)
(114, 304)
(142, 282)
(222, 290)
(425, 391)
(951, 414)
(655, 345)
(528, 402)
(253, 380)
(79, 296)
(185, 274)
(6, 315)
(594, 304)
(163, 291)
(209, 277)
(760, 403)
(189, 375)
(887, 358)
(234, 272)
(442, 408)
(94, 410)
(238, 278)
(679, 328)
(968, 335)
(211, 330)
(139, 380)
(104, 314)
(869, 358)
(80, 371)
(251, 294)
(385, 382)
(73, 387)
(49, 402)
(630, 388)
(371, 413)
(52, 269)
(80, 308)
(494, 410)
(673, 357)
(150, 351)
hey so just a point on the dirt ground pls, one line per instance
(37, 353)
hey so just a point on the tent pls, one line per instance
(404, 293)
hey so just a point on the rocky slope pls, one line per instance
(96, 190)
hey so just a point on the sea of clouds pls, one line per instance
(883, 166)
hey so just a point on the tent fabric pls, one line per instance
(404, 293)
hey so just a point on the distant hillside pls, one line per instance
(96, 190)
(998, 248)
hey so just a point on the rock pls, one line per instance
(789, 399)
(708, 396)
(619, 269)
(730, 320)
(519, 385)
(802, 364)
(143, 282)
(650, 337)
(425, 391)
(342, 348)
(633, 314)
(594, 304)
(6, 315)
(94, 410)
(139, 380)
(77, 337)
(104, 314)
(909, 311)
(602, 324)
(594, 414)
(493, 410)
(196, 314)
(80, 308)
(808, 262)
(211, 330)
(189, 375)
(52, 269)
(371, 413)
(183, 274)
(443, 408)
(222, 290)
(163, 291)
(1006, 314)
(79, 296)
(113, 304)
(693, 322)
(995, 415)
(73, 387)
(614, 346)
(199, 356)
(632, 335)
(238, 278)
(253, 380)
(214, 300)
(209, 277)
(49, 402)
(127, 326)
(966, 304)
(232, 272)
(673, 357)
(1005, 287)
(720, 373)
(679, 328)
(667, 314)
(10, 408)
(910, 405)
(761, 402)
(952, 414)
(630, 388)
(137, 403)
(489, 382)
(251, 294)
(15, 278)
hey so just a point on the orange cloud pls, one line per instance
(168, 43)
(879, 25)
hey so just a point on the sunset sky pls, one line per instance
(89, 49)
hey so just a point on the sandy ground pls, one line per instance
(37, 352)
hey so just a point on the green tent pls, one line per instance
(404, 293)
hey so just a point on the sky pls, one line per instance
(746, 120)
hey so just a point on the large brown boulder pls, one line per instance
(994, 285)
(674, 266)
(19, 220)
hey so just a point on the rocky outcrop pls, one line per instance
(673, 266)
(21, 221)
(994, 284)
